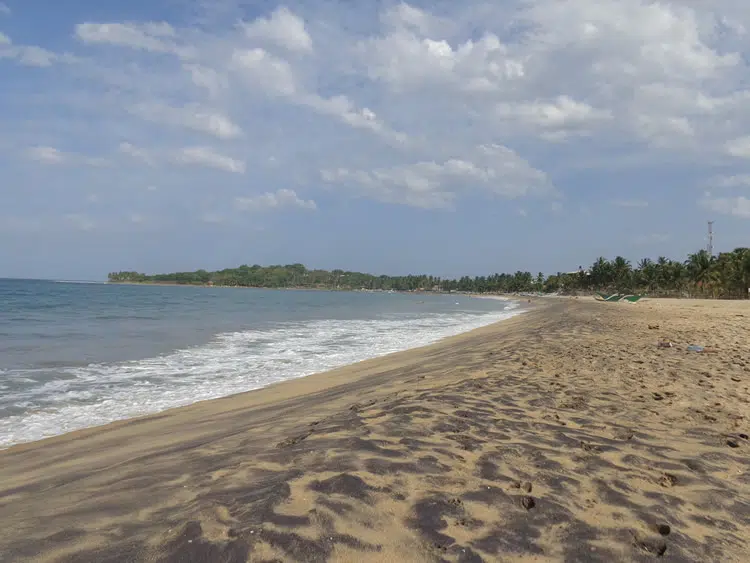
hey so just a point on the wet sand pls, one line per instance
(565, 434)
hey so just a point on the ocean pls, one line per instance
(75, 355)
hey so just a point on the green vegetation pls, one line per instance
(701, 275)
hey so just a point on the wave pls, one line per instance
(84, 396)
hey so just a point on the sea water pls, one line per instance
(75, 355)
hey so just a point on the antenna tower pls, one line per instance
(710, 238)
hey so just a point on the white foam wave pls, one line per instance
(233, 362)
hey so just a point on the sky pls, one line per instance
(446, 138)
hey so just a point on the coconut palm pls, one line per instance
(622, 270)
(699, 266)
(601, 273)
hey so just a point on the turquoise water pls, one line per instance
(74, 355)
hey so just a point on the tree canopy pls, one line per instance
(724, 276)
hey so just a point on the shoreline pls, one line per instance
(501, 296)
(521, 309)
(561, 434)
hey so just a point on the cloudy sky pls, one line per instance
(441, 137)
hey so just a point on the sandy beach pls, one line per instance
(563, 434)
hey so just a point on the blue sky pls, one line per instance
(445, 137)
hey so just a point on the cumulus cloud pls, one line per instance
(54, 156)
(80, 222)
(276, 77)
(190, 116)
(739, 147)
(212, 80)
(492, 169)
(736, 181)
(283, 28)
(555, 119)
(265, 71)
(420, 107)
(156, 37)
(31, 55)
(406, 61)
(735, 206)
(204, 156)
(47, 155)
(136, 152)
(274, 200)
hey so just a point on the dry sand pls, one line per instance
(565, 434)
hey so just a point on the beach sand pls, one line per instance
(564, 434)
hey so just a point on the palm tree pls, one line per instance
(601, 273)
(648, 273)
(677, 275)
(699, 267)
(738, 271)
(725, 272)
(622, 270)
(745, 268)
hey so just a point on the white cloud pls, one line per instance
(274, 200)
(739, 147)
(53, 156)
(344, 110)
(558, 119)
(561, 112)
(493, 169)
(137, 153)
(404, 17)
(406, 61)
(735, 206)
(265, 71)
(31, 55)
(629, 39)
(282, 28)
(213, 81)
(664, 131)
(4, 9)
(190, 116)
(154, 37)
(415, 106)
(630, 203)
(276, 78)
(204, 156)
(36, 56)
(47, 155)
(736, 181)
(80, 222)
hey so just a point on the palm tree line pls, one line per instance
(701, 275)
(726, 276)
